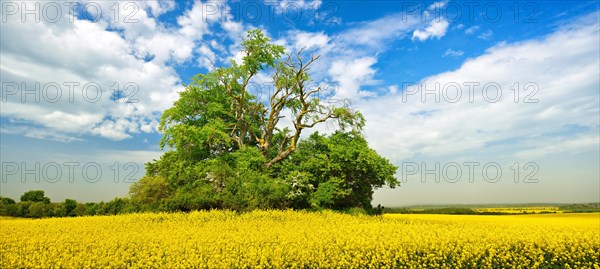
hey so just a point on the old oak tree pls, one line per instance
(227, 148)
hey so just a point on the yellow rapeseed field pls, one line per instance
(273, 239)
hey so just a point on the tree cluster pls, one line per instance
(228, 149)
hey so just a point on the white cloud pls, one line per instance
(566, 79)
(376, 34)
(160, 7)
(451, 52)
(471, 30)
(116, 130)
(39, 133)
(194, 23)
(561, 146)
(234, 29)
(294, 6)
(207, 58)
(436, 29)
(139, 54)
(437, 5)
(351, 74)
(309, 40)
(486, 35)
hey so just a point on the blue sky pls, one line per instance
(541, 133)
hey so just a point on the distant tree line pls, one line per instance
(571, 208)
(34, 204)
(581, 208)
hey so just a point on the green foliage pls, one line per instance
(192, 198)
(196, 126)
(23, 209)
(149, 191)
(118, 206)
(39, 210)
(259, 52)
(35, 196)
(6, 201)
(92, 208)
(70, 206)
(341, 168)
(80, 210)
(329, 192)
(300, 189)
(59, 210)
(8, 206)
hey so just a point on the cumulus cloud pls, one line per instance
(436, 29)
(292, 6)
(557, 87)
(160, 7)
(351, 74)
(309, 40)
(121, 72)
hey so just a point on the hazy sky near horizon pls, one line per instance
(475, 102)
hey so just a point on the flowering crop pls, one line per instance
(273, 239)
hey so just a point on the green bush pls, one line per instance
(8, 207)
(40, 210)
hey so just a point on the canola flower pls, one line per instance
(291, 239)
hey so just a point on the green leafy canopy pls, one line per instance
(228, 149)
